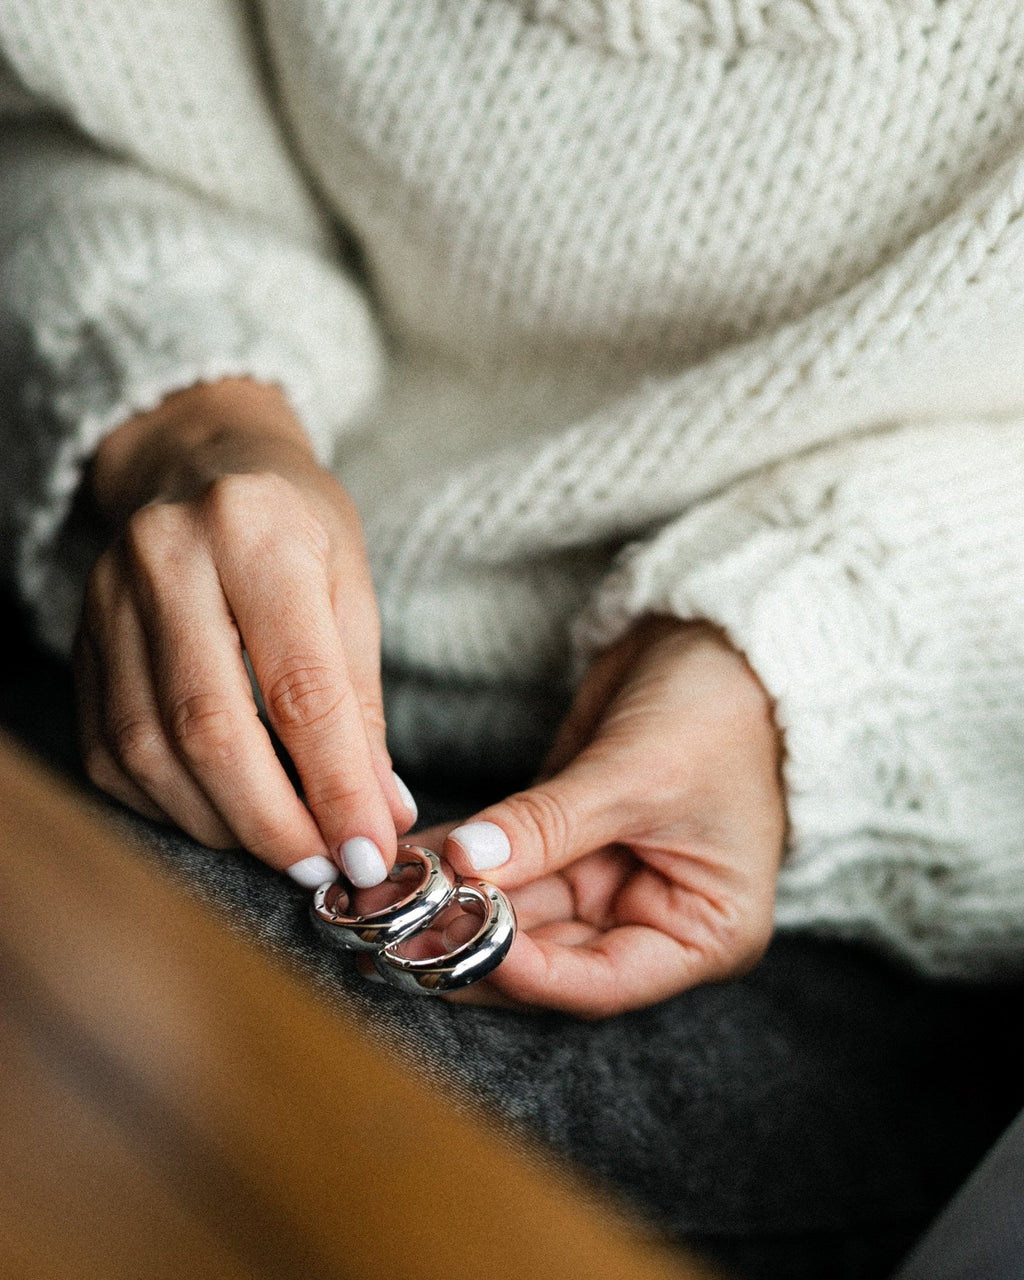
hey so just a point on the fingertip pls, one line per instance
(478, 846)
(408, 803)
(363, 862)
(312, 872)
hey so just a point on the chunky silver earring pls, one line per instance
(465, 964)
(332, 905)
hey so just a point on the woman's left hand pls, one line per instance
(643, 862)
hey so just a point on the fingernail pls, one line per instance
(406, 795)
(311, 873)
(362, 862)
(485, 844)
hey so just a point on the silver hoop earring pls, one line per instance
(467, 963)
(393, 924)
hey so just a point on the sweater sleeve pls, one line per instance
(877, 588)
(843, 495)
(130, 270)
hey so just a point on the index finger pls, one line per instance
(287, 622)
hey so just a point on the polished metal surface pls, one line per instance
(466, 964)
(331, 910)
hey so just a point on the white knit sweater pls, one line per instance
(710, 306)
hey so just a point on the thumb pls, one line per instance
(540, 830)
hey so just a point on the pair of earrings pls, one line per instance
(383, 933)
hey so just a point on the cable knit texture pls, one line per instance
(705, 306)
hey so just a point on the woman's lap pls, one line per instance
(805, 1120)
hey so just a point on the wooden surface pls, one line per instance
(172, 1104)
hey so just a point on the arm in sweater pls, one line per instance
(878, 590)
(155, 232)
(156, 237)
(843, 498)
(116, 288)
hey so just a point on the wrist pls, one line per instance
(718, 675)
(194, 436)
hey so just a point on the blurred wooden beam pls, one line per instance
(172, 1103)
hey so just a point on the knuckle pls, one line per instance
(236, 498)
(257, 511)
(139, 744)
(268, 838)
(100, 768)
(545, 818)
(203, 728)
(100, 583)
(261, 507)
(305, 696)
(152, 532)
(242, 510)
(101, 593)
(373, 717)
(335, 795)
(154, 548)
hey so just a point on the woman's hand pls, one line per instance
(231, 539)
(644, 861)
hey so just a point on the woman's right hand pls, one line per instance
(233, 541)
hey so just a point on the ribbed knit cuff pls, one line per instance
(878, 592)
(116, 306)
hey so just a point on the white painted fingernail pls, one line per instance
(362, 862)
(311, 873)
(406, 795)
(485, 843)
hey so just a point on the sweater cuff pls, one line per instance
(878, 592)
(114, 307)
